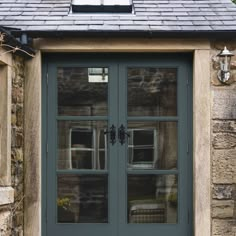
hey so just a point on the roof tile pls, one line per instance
(148, 15)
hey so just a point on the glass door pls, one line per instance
(155, 195)
(118, 158)
(82, 155)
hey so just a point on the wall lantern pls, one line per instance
(225, 59)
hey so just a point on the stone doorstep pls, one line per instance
(6, 195)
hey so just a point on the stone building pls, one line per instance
(117, 118)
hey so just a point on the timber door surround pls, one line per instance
(118, 139)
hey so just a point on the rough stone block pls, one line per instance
(224, 141)
(17, 81)
(233, 75)
(215, 62)
(214, 79)
(219, 45)
(18, 231)
(224, 166)
(224, 126)
(234, 230)
(6, 195)
(13, 137)
(18, 219)
(233, 64)
(19, 155)
(19, 115)
(17, 95)
(5, 219)
(13, 120)
(221, 191)
(222, 227)
(222, 208)
(13, 109)
(224, 104)
(19, 140)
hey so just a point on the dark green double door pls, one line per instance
(118, 138)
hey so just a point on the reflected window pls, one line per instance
(98, 75)
(87, 148)
(152, 145)
(82, 145)
(142, 148)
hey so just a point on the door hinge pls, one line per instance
(187, 83)
(188, 148)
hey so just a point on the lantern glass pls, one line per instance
(225, 60)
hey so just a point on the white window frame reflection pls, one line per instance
(98, 75)
(132, 146)
(95, 148)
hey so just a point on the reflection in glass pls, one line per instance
(152, 91)
(152, 199)
(82, 91)
(98, 75)
(82, 145)
(152, 145)
(82, 199)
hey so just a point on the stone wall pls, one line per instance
(11, 215)
(223, 147)
(17, 144)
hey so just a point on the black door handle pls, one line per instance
(112, 133)
(121, 134)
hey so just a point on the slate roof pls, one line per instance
(148, 15)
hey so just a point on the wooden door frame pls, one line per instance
(117, 64)
(201, 118)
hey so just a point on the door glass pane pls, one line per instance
(82, 145)
(82, 199)
(152, 145)
(82, 91)
(152, 91)
(152, 199)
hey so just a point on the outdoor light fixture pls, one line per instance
(225, 58)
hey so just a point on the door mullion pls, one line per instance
(112, 147)
(122, 151)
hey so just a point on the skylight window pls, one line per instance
(101, 6)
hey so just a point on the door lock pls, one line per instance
(112, 133)
(122, 133)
